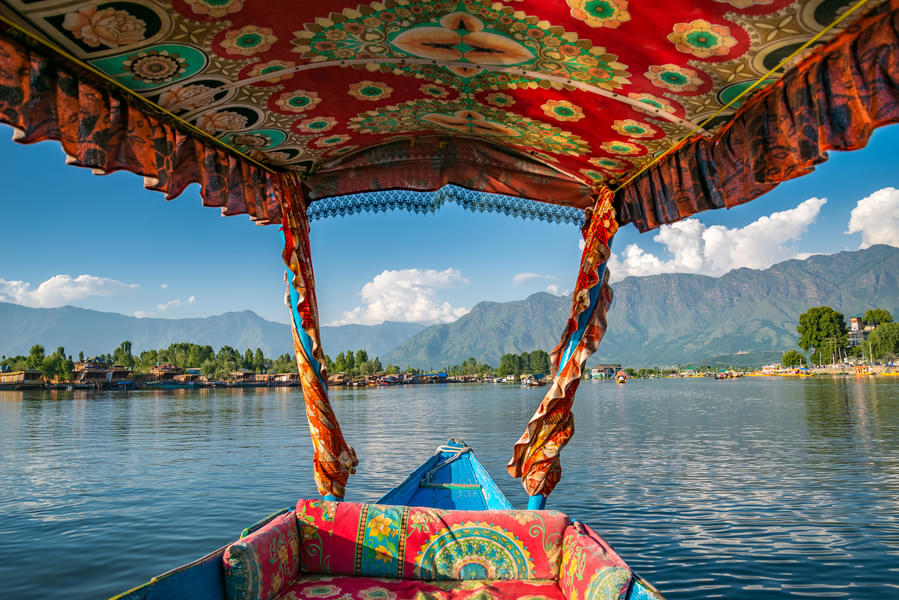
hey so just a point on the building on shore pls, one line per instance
(604, 371)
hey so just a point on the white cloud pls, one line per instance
(696, 248)
(142, 314)
(163, 285)
(60, 290)
(192, 299)
(877, 218)
(522, 277)
(553, 289)
(407, 295)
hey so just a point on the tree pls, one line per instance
(538, 362)
(361, 357)
(81, 356)
(877, 316)
(122, 355)
(36, 357)
(258, 361)
(509, 364)
(885, 340)
(792, 358)
(823, 331)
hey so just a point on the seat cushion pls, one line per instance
(260, 565)
(591, 569)
(313, 587)
(402, 542)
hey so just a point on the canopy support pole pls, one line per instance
(334, 460)
(535, 458)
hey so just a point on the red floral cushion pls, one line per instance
(260, 565)
(404, 542)
(591, 569)
(370, 588)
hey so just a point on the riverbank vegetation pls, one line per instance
(219, 364)
(828, 339)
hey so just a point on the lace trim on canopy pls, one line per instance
(430, 202)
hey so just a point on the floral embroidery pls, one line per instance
(182, 96)
(316, 125)
(213, 122)
(674, 78)
(215, 8)
(613, 164)
(434, 91)
(654, 101)
(745, 3)
(380, 526)
(299, 101)
(500, 99)
(154, 66)
(370, 90)
(249, 40)
(320, 591)
(334, 140)
(600, 13)
(563, 110)
(596, 176)
(377, 593)
(110, 27)
(702, 39)
(634, 129)
(627, 148)
(272, 66)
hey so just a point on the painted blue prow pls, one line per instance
(452, 479)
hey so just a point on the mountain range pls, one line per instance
(747, 316)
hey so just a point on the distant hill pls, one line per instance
(97, 332)
(744, 317)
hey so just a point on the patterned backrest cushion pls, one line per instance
(376, 540)
(259, 566)
(591, 569)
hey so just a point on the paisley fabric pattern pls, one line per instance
(368, 588)
(591, 569)
(372, 540)
(259, 566)
(535, 456)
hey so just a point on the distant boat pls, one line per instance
(621, 377)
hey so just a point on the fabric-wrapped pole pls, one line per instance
(535, 458)
(334, 460)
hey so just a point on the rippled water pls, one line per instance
(711, 489)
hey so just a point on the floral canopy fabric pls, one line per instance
(536, 99)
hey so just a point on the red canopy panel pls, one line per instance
(536, 99)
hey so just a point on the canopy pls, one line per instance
(532, 99)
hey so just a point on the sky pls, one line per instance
(104, 243)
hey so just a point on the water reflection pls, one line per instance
(736, 489)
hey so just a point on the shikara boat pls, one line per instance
(450, 494)
(597, 113)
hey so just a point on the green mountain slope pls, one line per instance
(677, 318)
(97, 332)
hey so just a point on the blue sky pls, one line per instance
(103, 242)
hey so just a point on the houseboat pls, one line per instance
(28, 379)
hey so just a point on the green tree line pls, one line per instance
(824, 335)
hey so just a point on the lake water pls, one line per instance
(738, 489)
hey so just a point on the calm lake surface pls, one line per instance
(748, 488)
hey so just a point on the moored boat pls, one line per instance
(28, 379)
